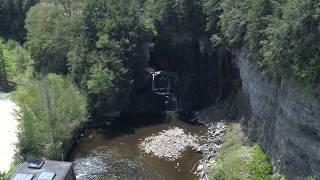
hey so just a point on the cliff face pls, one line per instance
(204, 76)
(283, 122)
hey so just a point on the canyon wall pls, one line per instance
(284, 121)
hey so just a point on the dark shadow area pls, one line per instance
(128, 123)
(6, 88)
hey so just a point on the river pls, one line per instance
(113, 152)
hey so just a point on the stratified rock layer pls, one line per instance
(284, 121)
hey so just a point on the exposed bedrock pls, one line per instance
(278, 115)
(283, 121)
(204, 76)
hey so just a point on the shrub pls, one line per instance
(238, 161)
(50, 110)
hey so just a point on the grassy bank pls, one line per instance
(239, 160)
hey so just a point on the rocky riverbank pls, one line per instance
(169, 144)
(209, 149)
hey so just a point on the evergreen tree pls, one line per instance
(12, 16)
(51, 35)
(116, 47)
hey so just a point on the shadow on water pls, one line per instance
(128, 123)
(189, 118)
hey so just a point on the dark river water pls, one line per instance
(113, 152)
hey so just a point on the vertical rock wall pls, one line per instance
(283, 121)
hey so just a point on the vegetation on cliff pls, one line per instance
(280, 36)
(238, 160)
(104, 45)
(101, 47)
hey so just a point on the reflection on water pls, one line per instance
(108, 154)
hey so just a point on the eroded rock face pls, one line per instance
(205, 76)
(283, 121)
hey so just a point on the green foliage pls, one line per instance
(118, 31)
(257, 19)
(50, 110)
(180, 33)
(102, 44)
(311, 178)
(183, 18)
(213, 10)
(14, 60)
(3, 176)
(13, 166)
(3, 65)
(259, 166)
(238, 161)
(280, 36)
(152, 10)
(100, 79)
(233, 20)
(113, 52)
(12, 16)
(51, 35)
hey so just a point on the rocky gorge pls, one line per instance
(277, 113)
(283, 120)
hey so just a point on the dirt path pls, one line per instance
(8, 129)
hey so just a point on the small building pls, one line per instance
(44, 170)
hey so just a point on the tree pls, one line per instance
(113, 54)
(14, 60)
(12, 16)
(257, 19)
(3, 70)
(51, 36)
(50, 110)
(280, 36)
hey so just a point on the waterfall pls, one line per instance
(153, 76)
(171, 100)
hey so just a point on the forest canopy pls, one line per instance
(104, 44)
(280, 36)
(100, 48)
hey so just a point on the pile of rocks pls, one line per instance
(209, 149)
(169, 144)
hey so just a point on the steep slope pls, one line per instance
(284, 121)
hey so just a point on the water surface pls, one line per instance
(111, 153)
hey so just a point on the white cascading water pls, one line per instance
(171, 99)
